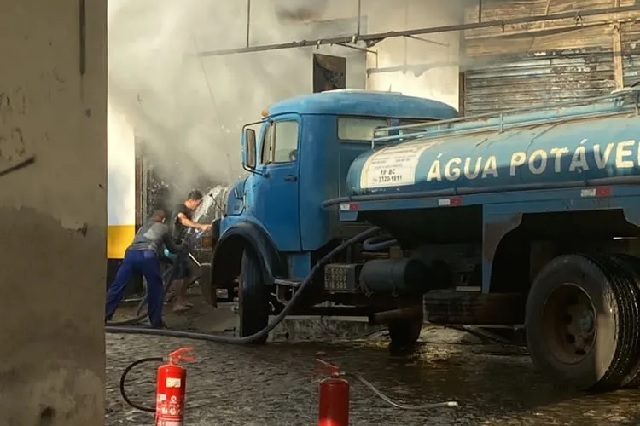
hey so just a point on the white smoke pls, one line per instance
(188, 110)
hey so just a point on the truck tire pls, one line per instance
(253, 297)
(582, 321)
(404, 334)
(632, 379)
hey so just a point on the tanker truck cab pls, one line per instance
(276, 228)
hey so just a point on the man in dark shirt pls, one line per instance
(142, 256)
(182, 221)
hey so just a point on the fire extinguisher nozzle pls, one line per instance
(182, 354)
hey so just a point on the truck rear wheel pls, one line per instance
(253, 297)
(632, 380)
(404, 334)
(582, 321)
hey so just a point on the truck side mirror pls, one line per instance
(249, 149)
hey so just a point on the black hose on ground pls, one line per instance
(123, 378)
(262, 333)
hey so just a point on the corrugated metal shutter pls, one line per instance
(548, 78)
(540, 62)
(631, 53)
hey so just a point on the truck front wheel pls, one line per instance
(253, 297)
(582, 321)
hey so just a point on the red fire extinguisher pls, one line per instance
(333, 398)
(170, 389)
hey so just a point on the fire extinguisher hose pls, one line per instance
(358, 377)
(391, 402)
(264, 332)
(123, 379)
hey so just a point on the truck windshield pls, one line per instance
(360, 129)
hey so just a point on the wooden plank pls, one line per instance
(537, 81)
(505, 9)
(583, 38)
(510, 10)
(618, 71)
(535, 63)
(630, 46)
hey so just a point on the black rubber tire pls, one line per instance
(624, 278)
(404, 334)
(610, 286)
(253, 295)
(632, 379)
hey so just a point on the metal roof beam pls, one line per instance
(371, 39)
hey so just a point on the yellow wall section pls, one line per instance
(118, 239)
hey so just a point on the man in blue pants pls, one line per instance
(143, 257)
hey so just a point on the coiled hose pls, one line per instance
(262, 333)
(123, 380)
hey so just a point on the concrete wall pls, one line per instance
(53, 212)
(427, 69)
(121, 217)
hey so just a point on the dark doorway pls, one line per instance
(329, 72)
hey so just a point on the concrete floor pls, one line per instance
(494, 384)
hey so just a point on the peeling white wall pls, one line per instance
(122, 170)
(53, 212)
(432, 66)
(432, 80)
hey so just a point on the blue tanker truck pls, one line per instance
(522, 217)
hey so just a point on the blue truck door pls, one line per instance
(277, 199)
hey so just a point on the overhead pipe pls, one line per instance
(248, 21)
(371, 39)
(359, 18)
(362, 49)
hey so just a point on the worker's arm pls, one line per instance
(185, 221)
(169, 243)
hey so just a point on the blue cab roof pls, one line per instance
(366, 103)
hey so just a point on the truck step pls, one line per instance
(288, 283)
